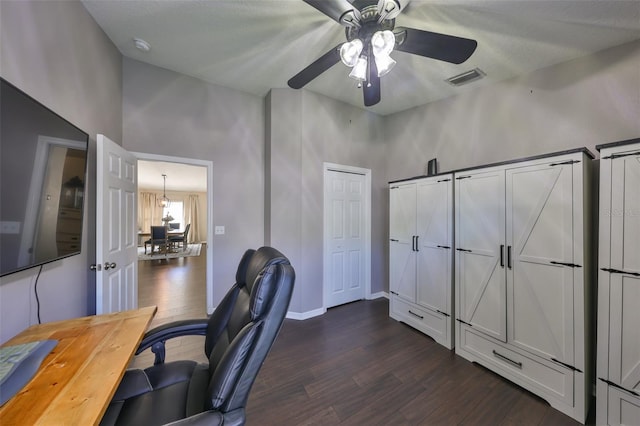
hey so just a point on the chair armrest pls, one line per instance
(156, 337)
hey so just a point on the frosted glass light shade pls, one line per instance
(383, 42)
(350, 51)
(384, 64)
(359, 71)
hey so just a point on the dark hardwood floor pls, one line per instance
(352, 366)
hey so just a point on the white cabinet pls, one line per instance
(523, 274)
(421, 259)
(618, 365)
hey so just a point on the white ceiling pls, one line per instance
(256, 45)
(180, 177)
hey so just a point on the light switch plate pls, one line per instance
(219, 230)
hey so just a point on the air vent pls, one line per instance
(466, 77)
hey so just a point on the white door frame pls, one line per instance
(326, 167)
(209, 165)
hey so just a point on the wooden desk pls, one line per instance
(77, 380)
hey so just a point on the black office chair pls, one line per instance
(239, 334)
(158, 238)
(177, 239)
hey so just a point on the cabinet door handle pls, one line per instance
(465, 250)
(444, 247)
(504, 358)
(417, 248)
(509, 257)
(413, 243)
(393, 239)
(502, 255)
(571, 265)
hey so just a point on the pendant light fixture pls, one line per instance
(164, 201)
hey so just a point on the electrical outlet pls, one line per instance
(219, 230)
(7, 227)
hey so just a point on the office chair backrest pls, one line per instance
(251, 315)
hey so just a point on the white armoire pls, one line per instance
(524, 268)
(618, 361)
(420, 255)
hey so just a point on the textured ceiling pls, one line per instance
(256, 45)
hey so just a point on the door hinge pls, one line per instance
(443, 313)
(571, 265)
(618, 271)
(617, 386)
(562, 163)
(625, 154)
(570, 367)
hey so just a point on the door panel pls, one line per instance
(624, 334)
(625, 214)
(116, 233)
(480, 233)
(346, 238)
(402, 221)
(539, 232)
(434, 216)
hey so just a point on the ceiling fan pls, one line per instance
(371, 36)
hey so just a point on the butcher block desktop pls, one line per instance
(77, 380)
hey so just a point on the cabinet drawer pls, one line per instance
(623, 408)
(433, 324)
(546, 380)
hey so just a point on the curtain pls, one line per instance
(149, 213)
(192, 216)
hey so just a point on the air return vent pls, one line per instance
(466, 77)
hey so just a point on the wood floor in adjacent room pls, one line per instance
(352, 366)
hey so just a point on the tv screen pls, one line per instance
(43, 161)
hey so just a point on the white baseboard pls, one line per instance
(301, 316)
(378, 295)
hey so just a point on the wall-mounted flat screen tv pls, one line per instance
(43, 174)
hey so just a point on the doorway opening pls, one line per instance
(184, 274)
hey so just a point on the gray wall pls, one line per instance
(584, 102)
(170, 114)
(56, 53)
(305, 130)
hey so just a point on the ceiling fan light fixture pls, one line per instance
(384, 64)
(350, 52)
(359, 71)
(383, 42)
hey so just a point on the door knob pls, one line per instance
(108, 265)
(95, 267)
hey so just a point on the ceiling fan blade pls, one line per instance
(334, 9)
(316, 68)
(434, 45)
(371, 88)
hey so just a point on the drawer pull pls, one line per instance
(504, 358)
(416, 315)
(444, 247)
(569, 366)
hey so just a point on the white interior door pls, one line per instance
(480, 238)
(345, 220)
(116, 236)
